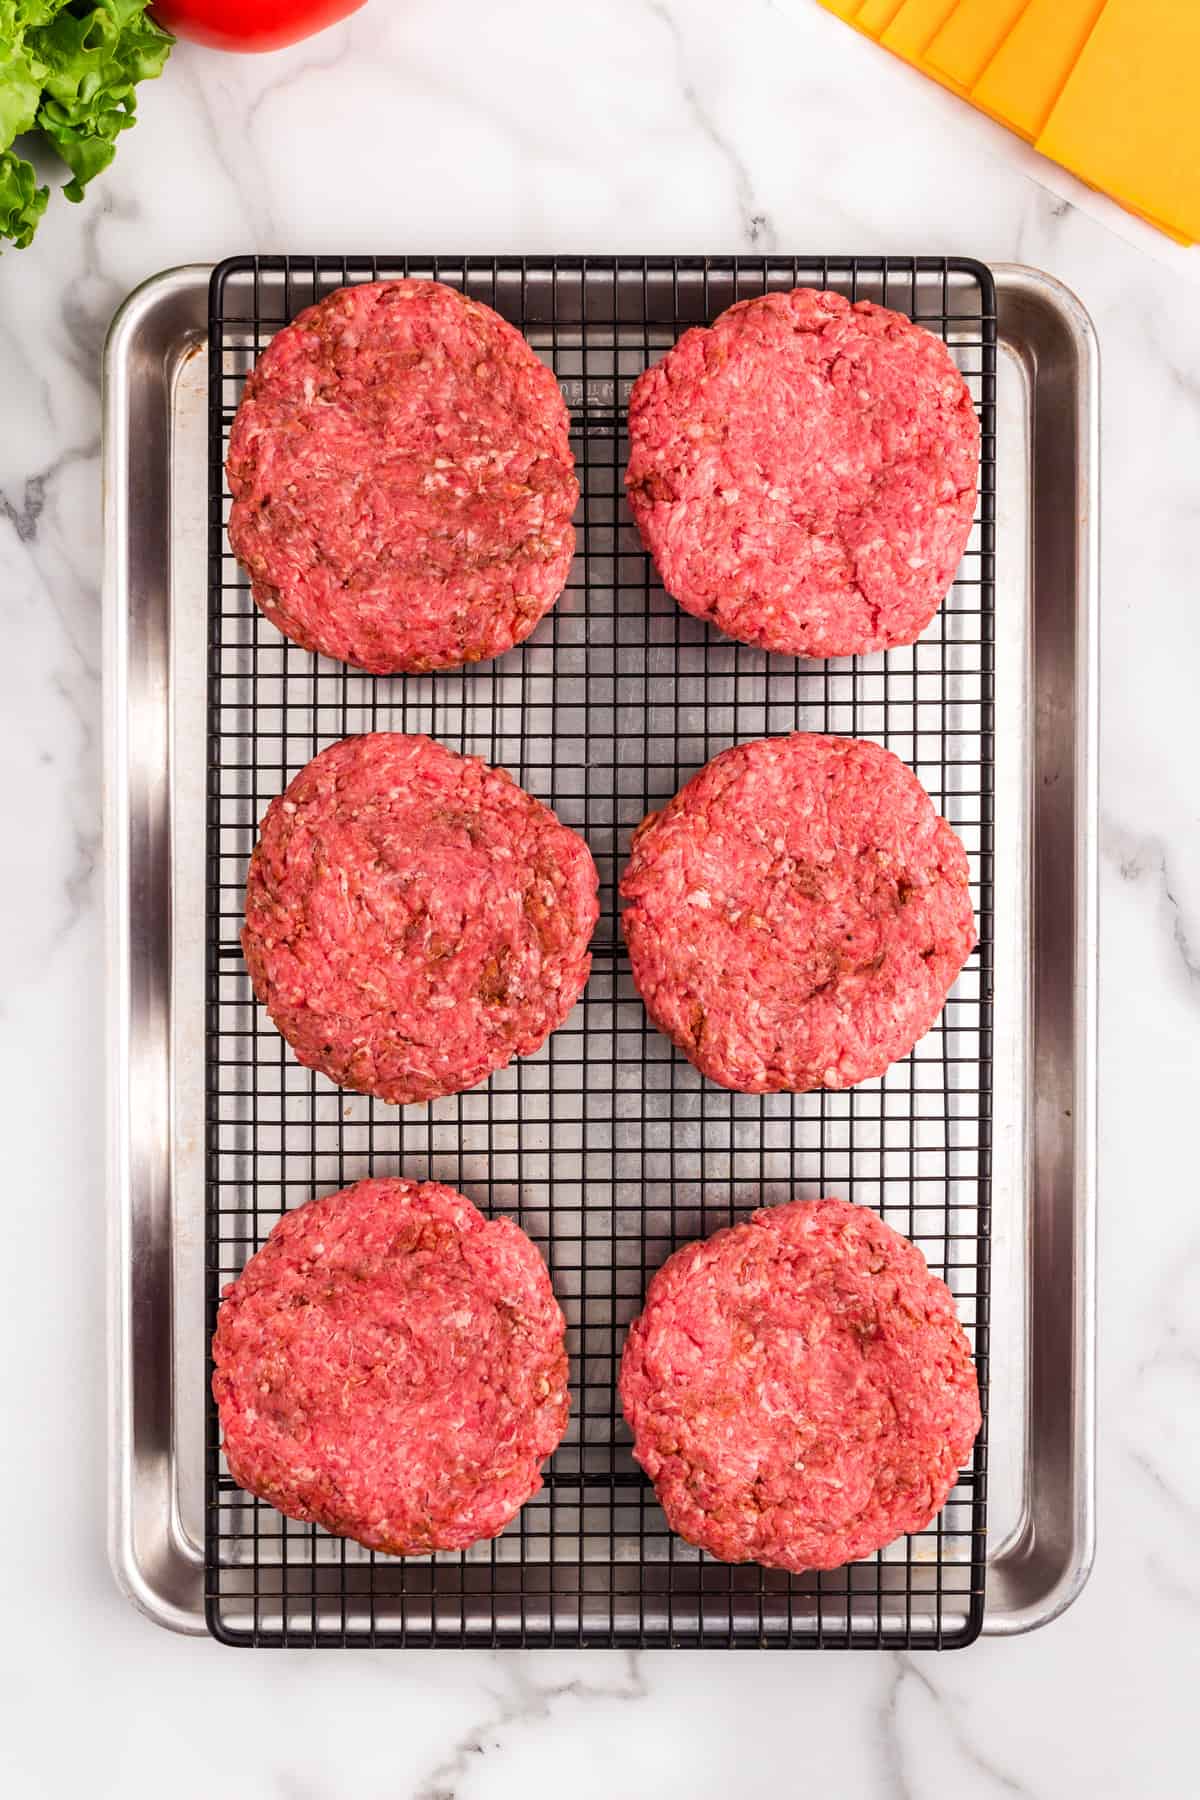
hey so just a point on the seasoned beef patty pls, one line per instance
(402, 480)
(414, 919)
(803, 472)
(797, 914)
(799, 1388)
(391, 1365)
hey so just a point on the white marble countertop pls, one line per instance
(669, 125)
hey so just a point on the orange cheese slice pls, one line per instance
(974, 31)
(1030, 68)
(914, 25)
(1019, 83)
(874, 16)
(1127, 119)
(911, 30)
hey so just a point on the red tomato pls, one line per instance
(250, 24)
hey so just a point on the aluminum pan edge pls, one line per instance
(150, 328)
(1040, 1574)
(1042, 1569)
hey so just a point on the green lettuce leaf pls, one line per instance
(95, 57)
(20, 76)
(22, 201)
(70, 68)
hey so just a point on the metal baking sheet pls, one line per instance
(1040, 1476)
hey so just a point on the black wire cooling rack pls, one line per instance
(607, 1146)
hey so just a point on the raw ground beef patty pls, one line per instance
(799, 1388)
(414, 919)
(402, 480)
(797, 914)
(392, 1366)
(803, 472)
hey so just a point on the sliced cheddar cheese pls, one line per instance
(1127, 119)
(874, 16)
(912, 28)
(844, 9)
(970, 37)
(1029, 69)
(914, 25)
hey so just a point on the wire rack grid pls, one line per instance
(607, 1146)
